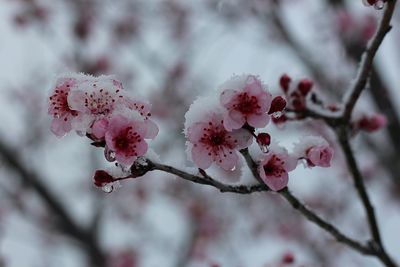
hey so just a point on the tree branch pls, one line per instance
(243, 189)
(64, 220)
(367, 60)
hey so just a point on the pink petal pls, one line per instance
(276, 183)
(201, 157)
(290, 163)
(258, 120)
(60, 127)
(151, 129)
(226, 160)
(195, 132)
(243, 137)
(82, 122)
(226, 97)
(233, 120)
(99, 128)
(76, 100)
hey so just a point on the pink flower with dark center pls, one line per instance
(274, 168)
(62, 113)
(211, 142)
(125, 137)
(246, 101)
(319, 156)
(95, 98)
(143, 108)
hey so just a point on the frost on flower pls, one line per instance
(95, 98)
(274, 167)
(59, 108)
(315, 150)
(99, 108)
(208, 140)
(245, 100)
(125, 138)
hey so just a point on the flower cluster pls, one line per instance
(99, 108)
(217, 129)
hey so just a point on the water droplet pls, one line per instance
(234, 168)
(263, 148)
(108, 188)
(379, 5)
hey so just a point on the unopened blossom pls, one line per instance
(210, 142)
(95, 98)
(319, 156)
(246, 100)
(315, 150)
(372, 123)
(102, 178)
(62, 113)
(125, 138)
(274, 167)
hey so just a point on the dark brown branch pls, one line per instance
(362, 192)
(296, 204)
(243, 189)
(64, 220)
(207, 180)
(367, 60)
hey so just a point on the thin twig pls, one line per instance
(239, 189)
(367, 59)
(296, 204)
(243, 189)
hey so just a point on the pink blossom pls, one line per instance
(246, 101)
(319, 156)
(274, 168)
(315, 150)
(62, 113)
(210, 142)
(125, 137)
(95, 98)
(143, 108)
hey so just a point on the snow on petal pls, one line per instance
(315, 150)
(58, 106)
(246, 100)
(208, 140)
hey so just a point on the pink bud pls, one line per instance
(277, 105)
(285, 82)
(288, 258)
(101, 178)
(373, 123)
(264, 139)
(319, 156)
(305, 86)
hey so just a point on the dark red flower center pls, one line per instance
(246, 104)
(274, 167)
